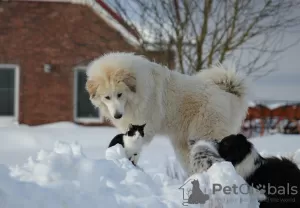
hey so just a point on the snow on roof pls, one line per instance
(98, 7)
(272, 105)
(104, 14)
(251, 104)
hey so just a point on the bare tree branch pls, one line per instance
(209, 31)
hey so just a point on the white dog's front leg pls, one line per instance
(149, 134)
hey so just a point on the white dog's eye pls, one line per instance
(119, 95)
(107, 98)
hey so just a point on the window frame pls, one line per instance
(14, 118)
(100, 119)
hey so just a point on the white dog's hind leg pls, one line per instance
(203, 154)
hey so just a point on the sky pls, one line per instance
(284, 83)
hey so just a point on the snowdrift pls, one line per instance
(66, 178)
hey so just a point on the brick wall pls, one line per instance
(61, 34)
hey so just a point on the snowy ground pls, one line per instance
(65, 165)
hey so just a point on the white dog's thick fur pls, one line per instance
(130, 89)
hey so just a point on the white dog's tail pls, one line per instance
(227, 79)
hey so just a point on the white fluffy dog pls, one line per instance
(130, 89)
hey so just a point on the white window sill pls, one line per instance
(89, 120)
(8, 121)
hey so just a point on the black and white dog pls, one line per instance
(278, 178)
(132, 142)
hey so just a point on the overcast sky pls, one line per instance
(283, 84)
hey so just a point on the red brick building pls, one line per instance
(44, 49)
(273, 117)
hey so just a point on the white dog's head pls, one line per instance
(110, 86)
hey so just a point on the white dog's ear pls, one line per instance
(91, 87)
(128, 78)
(130, 81)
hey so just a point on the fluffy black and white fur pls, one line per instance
(261, 172)
(131, 141)
(203, 154)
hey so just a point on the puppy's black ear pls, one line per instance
(144, 125)
(130, 127)
(241, 136)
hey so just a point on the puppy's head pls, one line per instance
(234, 148)
(111, 90)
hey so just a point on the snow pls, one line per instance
(277, 144)
(77, 181)
(252, 104)
(66, 165)
(224, 174)
(273, 106)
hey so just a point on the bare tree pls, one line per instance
(205, 32)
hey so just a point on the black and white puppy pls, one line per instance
(131, 141)
(278, 178)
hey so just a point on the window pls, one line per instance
(9, 98)
(84, 111)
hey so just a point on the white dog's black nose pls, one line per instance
(118, 115)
